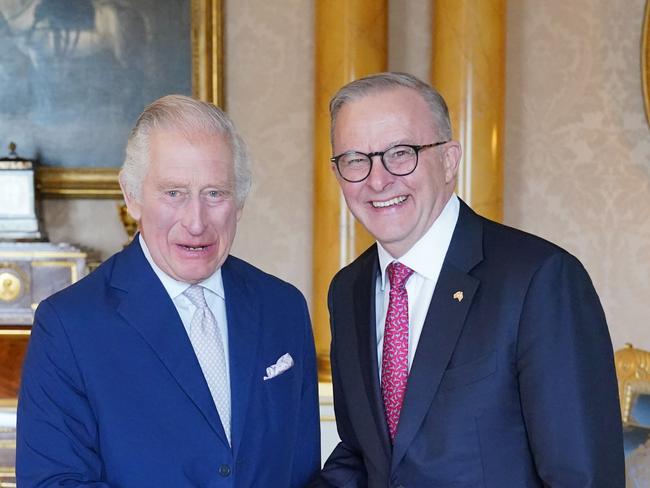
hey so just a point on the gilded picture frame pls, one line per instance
(632, 366)
(636, 432)
(207, 84)
(645, 60)
(636, 403)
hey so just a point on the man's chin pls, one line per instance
(387, 237)
(193, 272)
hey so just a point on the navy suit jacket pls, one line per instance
(511, 386)
(112, 394)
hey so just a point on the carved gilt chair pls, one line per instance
(633, 373)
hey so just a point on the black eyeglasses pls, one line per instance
(400, 160)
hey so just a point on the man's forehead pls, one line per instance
(393, 114)
(189, 134)
(395, 102)
(407, 96)
(175, 152)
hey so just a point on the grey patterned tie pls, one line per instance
(211, 354)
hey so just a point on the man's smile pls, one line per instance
(194, 248)
(389, 203)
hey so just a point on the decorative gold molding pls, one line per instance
(42, 254)
(351, 42)
(14, 332)
(10, 287)
(72, 266)
(645, 60)
(207, 84)
(207, 51)
(633, 389)
(78, 183)
(468, 68)
(19, 282)
(632, 365)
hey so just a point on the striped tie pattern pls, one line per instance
(209, 350)
(394, 362)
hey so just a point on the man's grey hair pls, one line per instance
(190, 117)
(379, 82)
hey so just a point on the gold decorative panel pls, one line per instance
(632, 366)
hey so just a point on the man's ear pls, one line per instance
(452, 156)
(132, 204)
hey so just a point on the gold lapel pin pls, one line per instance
(458, 296)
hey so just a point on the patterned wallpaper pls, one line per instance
(577, 159)
(577, 151)
(269, 88)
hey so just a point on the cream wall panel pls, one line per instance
(269, 89)
(409, 44)
(577, 166)
(94, 224)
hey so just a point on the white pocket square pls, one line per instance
(281, 365)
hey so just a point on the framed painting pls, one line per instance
(75, 74)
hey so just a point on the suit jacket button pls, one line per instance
(224, 470)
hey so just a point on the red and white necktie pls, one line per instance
(395, 362)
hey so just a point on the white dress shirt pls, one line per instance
(425, 258)
(214, 293)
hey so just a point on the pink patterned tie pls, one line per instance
(395, 362)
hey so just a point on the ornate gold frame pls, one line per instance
(632, 367)
(633, 389)
(207, 84)
(645, 60)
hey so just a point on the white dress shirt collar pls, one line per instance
(175, 288)
(427, 255)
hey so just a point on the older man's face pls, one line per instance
(396, 210)
(187, 210)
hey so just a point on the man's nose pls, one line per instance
(379, 177)
(194, 218)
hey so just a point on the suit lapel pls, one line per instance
(244, 336)
(364, 314)
(356, 359)
(148, 309)
(442, 327)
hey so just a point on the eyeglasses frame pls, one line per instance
(417, 148)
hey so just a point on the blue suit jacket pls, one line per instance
(512, 386)
(112, 393)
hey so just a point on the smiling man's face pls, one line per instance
(187, 211)
(396, 210)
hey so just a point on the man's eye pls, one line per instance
(214, 194)
(358, 161)
(401, 152)
(173, 193)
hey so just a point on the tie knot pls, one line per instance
(398, 274)
(195, 295)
